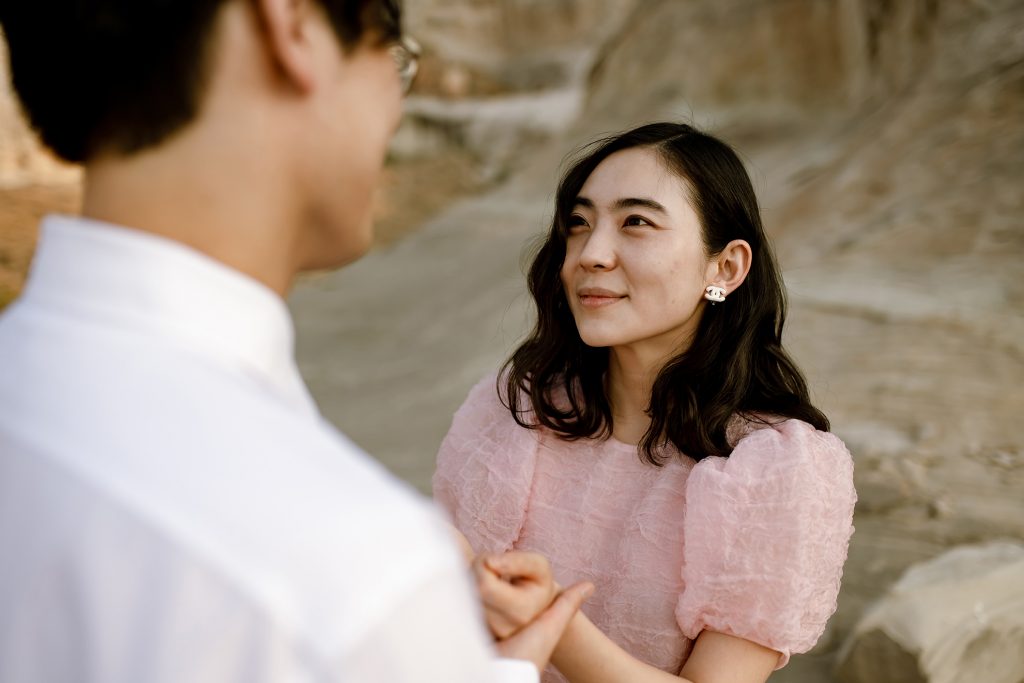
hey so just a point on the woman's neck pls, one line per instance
(629, 382)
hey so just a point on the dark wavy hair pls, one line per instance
(124, 75)
(735, 366)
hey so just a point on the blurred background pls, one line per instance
(886, 142)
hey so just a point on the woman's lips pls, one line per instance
(598, 298)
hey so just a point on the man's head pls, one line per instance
(277, 111)
(118, 76)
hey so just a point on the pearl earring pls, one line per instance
(714, 294)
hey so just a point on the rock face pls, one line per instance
(515, 45)
(501, 78)
(748, 63)
(958, 617)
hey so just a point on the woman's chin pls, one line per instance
(600, 340)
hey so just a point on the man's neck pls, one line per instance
(233, 211)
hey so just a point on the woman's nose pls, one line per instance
(599, 251)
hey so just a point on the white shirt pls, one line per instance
(174, 508)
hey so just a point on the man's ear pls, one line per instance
(287, 28)
(729, 269)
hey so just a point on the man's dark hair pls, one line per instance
(735, 367)
(122, 75)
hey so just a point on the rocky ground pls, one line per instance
(886, 144)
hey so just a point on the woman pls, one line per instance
(651, 435)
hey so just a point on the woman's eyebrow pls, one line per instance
(643, 202)
(625, 203)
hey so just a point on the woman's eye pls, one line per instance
(636, 221)
(575, 222)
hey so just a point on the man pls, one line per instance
(172, 507)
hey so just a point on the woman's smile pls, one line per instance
(597, 297)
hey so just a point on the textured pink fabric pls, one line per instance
(752, 545)
(484, 471)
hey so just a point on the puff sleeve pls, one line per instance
(766, 536)
(484, 470)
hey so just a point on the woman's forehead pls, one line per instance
(637, 172)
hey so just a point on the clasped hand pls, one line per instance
(525, 609)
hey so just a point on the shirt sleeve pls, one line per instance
(435, 634)
(484, 470)
(767, 531)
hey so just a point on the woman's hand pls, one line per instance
(515, 588)
(538, 639)
(525, 609)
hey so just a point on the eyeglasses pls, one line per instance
(406, 53)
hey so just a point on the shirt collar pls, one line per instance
(132, 278)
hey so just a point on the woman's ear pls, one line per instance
(287, 28)
(729, 269)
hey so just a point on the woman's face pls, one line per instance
(635, 268)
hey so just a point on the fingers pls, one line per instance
(520, 565)
(514, 587)
(496, 593)
(565, 606)
(537, 641)
(506, 607)
(501, 626)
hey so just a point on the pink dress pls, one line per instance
(752, 545)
